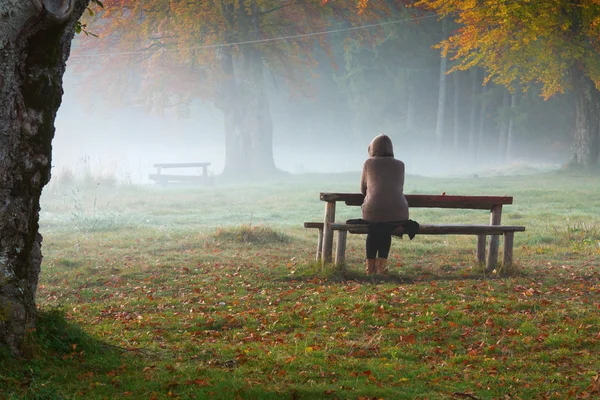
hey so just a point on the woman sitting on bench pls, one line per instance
(384, 207)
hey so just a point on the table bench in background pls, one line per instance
(492, 203)
(163, 179)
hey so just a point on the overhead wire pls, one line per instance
(256, 41)
(82, 57)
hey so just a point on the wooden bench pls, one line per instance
(494, 229)
(172, 178)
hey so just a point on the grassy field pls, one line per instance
(150, 293)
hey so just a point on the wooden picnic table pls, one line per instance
(492, 203)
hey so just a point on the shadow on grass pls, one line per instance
(340, 274)
(54, 353)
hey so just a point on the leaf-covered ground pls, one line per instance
(212, 293)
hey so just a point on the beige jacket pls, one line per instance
(382, 183)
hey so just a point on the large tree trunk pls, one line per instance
(35, 40)
(584, 151)
(248, 125)
(244, 102)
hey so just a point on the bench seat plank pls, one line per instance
(441, 229)
(428, 201)
(316, 225)
(452, 229)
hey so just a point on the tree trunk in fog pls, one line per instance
(474, 109)
(248, 126)
(584, 151)
(35, 40)
(243, 99)
(410, 108)
(456, 141)
(503, 130)
(510, 134)
(482, 124)
(439, 129)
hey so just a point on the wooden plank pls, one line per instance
(428, 201)
(508, 250)
(182, 165)
(427, 229)
(340, 250)
(480, 253)
(327, 232)
(440, 229)
(351, 199)
(495, 218)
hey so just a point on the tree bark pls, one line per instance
(243, 99)
(584, 151)
(35, 40)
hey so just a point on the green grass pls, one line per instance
(214, 293)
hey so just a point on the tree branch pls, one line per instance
(289, 3)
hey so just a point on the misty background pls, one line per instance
(392, 88)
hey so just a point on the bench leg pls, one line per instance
(340, 250)
(481, 239)
(508, 249)
(320, 245)
(327, 232)
(492, 259)
(495, 219)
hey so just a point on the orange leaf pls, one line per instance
(408, 339)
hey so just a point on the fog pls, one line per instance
(123, 143)
(109, 149)
(323, 133)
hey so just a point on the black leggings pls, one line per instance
(378, 244)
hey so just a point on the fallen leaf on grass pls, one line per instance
(197, 382)
(408, 339)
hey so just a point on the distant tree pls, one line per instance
(384, 80)
(220, 51)
(35, 41)
(440, 130)
(554, 43)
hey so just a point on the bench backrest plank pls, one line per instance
(428, 201)
(182, 165)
